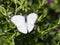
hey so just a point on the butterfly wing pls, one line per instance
(19, 21)
(31, 18)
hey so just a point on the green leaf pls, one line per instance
(2, 10)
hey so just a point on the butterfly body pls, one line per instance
(24, 24)
(25, 19)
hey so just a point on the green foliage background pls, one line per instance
(47, 30)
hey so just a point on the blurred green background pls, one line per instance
(47, 30)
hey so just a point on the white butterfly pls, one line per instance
(24, 24)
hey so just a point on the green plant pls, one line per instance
(47, 31)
